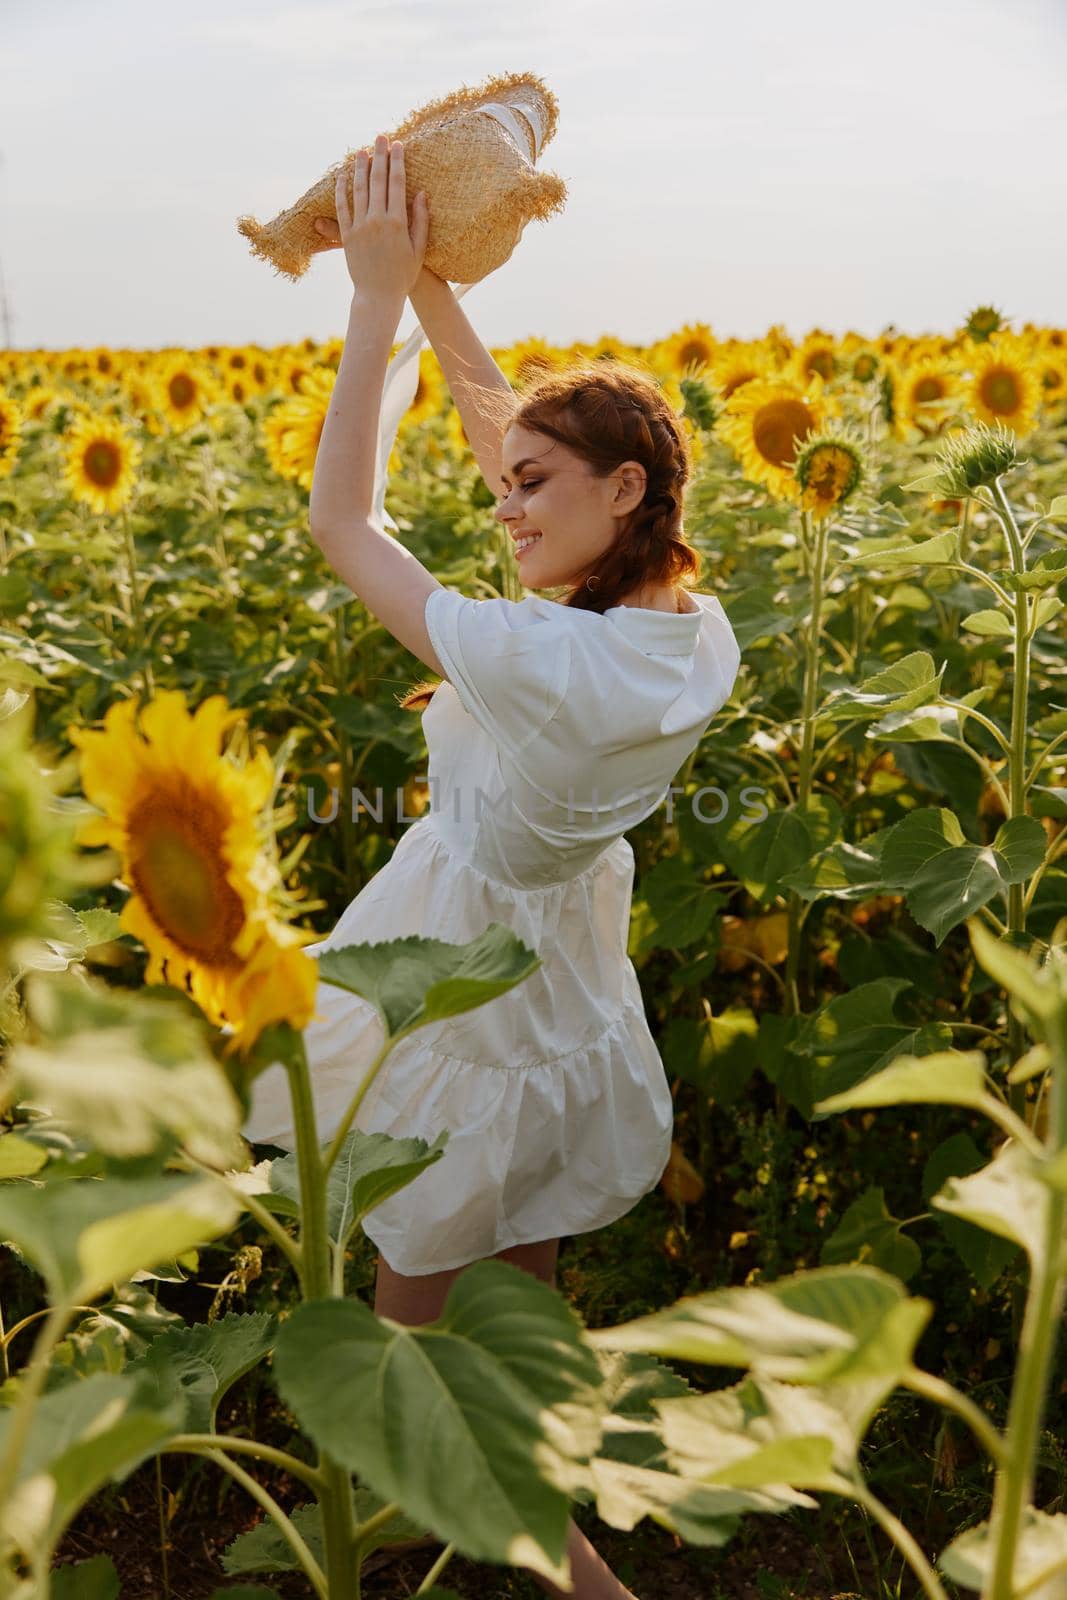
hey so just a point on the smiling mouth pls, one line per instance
(526, 542)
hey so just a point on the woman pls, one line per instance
(557, 726)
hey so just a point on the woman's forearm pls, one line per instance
(342, 489)
(463, 356)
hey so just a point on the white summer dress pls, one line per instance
(556, 730)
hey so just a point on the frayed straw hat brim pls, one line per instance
(474, 153)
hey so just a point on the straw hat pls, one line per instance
(473, 152)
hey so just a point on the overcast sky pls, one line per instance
(831, 163)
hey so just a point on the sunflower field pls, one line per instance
(824, 1359)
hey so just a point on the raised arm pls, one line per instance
(463, 356)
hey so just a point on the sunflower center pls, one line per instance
(179, 873)
(1000, 390)
(735, 382)
(864, 368)
(928, 389)
(693, 351)
(776, 425)
(182, 390)
(820, 361)
(102, 463)
(828, 473)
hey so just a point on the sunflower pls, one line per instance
(528, 360)
(10, 433)
(185, 391)
(983, 323)
(185, 822)
(690, 351)
(1052, 371)
(292, 370)
(925, 391)
(292, 431)
(101, 463)
(429, 391)
(860, 361)
(38, 401)
(816, 354)
(738, 365)
(142, 399)
(1004, 385)
(828, 469)
(764, 420)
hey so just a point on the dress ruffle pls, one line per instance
(554, 1094)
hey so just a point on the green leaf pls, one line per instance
(84, 1236)
(757, 1434)
(909, 682)
(1022, 843)
(868, 1233)
(95, 1579)
(414, 981)
(853, 1036)
(930, 482)
(946, 880)
(983, 1254)
(265, 1548)
(945, 1077)
(125, 1070)
(84, 1434)
(511, 1391)
(369, 1168)
(200, 1363)
(941, 548)
(1034, 988)
(842, 871)
(100, 926)
(1058, 508)
(683, 906)
(990, 624)
(20, 1158)
(814, 1327)
(1049, 606)
(1040, 1556)
(1006, 1198)
(719, 1054)
(629, 1476)
(763, 850)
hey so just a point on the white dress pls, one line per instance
(557, 729)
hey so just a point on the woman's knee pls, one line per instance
(415, 1300)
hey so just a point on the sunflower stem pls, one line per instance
(344, 752)
(817, 547)
(335, 1500)
(1044, 1307)
(136, 612)
(1017, 761)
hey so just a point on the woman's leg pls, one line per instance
(414, 1301)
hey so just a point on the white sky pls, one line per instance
(827, 163)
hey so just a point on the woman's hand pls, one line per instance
(384, 256)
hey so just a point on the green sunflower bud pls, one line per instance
(970, 460)
(699, 406)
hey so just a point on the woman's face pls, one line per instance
(550, 490)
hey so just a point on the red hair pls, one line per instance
(608, 412)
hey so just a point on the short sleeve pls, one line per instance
(509, 661)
